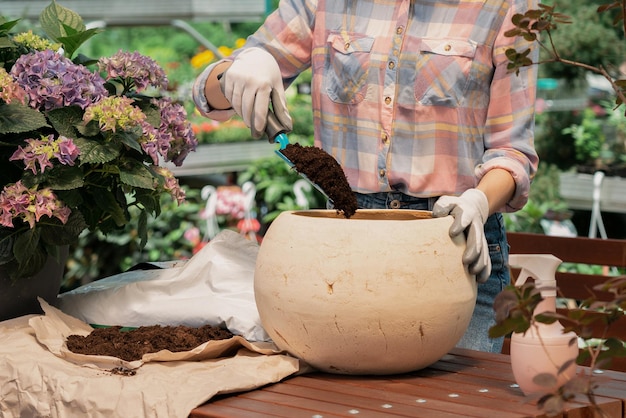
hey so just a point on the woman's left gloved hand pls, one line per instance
(470, 212)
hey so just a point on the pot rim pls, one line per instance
(367, 214)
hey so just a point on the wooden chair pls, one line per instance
(577, 286)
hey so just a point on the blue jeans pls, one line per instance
(477, 334)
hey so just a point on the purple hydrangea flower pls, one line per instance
(134, 69)
(52, 81)
(174, 123)
(150, 142)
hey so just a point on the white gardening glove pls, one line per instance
(252, 82)
(470, 212)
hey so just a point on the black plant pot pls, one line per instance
(20, 297)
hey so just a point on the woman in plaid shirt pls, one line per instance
(414, 100)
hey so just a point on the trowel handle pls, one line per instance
(274, 127)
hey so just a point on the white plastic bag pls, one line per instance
(216, 286)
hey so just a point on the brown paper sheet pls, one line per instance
(40, 377)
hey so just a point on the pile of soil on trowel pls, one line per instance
(133, 344)
(322, 169)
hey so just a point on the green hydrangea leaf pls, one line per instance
(65, 120)
(95, 152)
(142, 229)
(17, 118)
(91, 129)
(84, 60)
(56, 233)
(66, 27)
(71, 198)
(55, 19)
(31, 265)
(72, 42)
(65, 178)
(136, 175)
(153, 115)
(26, 245)
(6, 26)
(6, 42)
(149, 200)
(108, 204)
(129, 138)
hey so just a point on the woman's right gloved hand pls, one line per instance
(252, 82)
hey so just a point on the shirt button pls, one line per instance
(447, 47)
(385, 139)
(399, 30)
(346, 46)
(381, 173)
(391, 65)
(387, 100)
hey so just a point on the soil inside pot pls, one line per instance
(322, 169)
(132, 344)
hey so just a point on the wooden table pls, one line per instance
(464, 383)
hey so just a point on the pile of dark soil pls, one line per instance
(133, 344)
(322, 169)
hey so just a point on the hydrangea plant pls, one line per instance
(82, 140)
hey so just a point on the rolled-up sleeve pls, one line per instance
(200, 100)
(509, 130)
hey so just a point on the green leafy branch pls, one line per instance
(546, 19)
(66, 27)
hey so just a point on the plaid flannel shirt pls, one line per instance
(413, 96)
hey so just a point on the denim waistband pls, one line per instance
(394, 200)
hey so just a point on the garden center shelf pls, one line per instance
(223, 158)
(144, 12)
(100, 14)
(577, 189)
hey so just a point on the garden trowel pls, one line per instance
(277, 133)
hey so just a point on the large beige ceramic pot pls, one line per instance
(380, 293)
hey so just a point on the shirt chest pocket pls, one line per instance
(443, 71)
(347, 67)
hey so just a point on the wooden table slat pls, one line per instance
(240, 409)
(260, 404)
(309, 406)
(407, 395)
(463, 383)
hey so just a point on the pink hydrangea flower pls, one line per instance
(42, 151)
(171, 184)
(30, 205)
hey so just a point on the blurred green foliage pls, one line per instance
(544, 197)
(591, 38)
